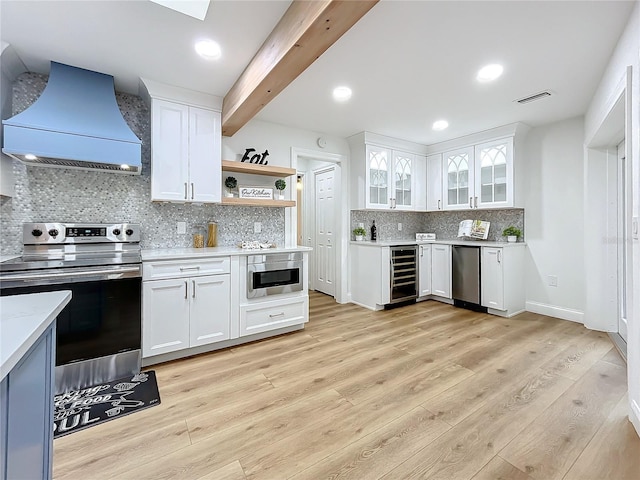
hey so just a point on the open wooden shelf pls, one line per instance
(257, 202)
(256, 169)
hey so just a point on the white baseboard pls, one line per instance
(555, 311)
(634, 415)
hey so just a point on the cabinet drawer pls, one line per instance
(185, 268)
(265, 316)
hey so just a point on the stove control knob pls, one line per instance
(53, 232)
(116, 231)
(129, 232)
(36, 233)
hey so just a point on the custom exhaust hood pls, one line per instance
(76, 123)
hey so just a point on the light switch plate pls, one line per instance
(182, 228)
(399, 227)
(257, 227)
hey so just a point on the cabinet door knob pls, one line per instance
(438, 204)
(186, 289)
(193, 284)
(470, 202)
(192, 191)
(476, 202)
(185, 190)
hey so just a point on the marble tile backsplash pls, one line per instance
(66, 195)
(443, 224)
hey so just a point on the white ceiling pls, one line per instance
(408, 63)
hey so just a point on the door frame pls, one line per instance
(342, 223)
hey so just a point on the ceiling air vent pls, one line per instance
(533, 98)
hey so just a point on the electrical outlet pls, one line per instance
(553, 280)
(361, 225)
(257, 227)
(182, 228)
(399, 227)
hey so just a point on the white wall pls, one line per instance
(626, 53)
(278, 139)
(554, 219)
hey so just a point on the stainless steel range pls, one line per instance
(99, 332)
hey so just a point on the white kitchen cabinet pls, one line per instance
(441, 270)
(185, 153)
(392, 179)
(479, 176)
(434, 183)
(424, 270)
(502, 283)
(387, 173)
(272, 315)
(190, 310)
(492, 281)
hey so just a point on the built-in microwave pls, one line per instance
(274, 274)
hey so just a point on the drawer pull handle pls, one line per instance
(274, 315)
(193, 294)
(182, 269)
(186, 289)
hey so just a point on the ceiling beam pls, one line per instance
(305, 31)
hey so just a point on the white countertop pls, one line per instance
(4, 258)
(23, 319)
(183, 253)
(472, 243)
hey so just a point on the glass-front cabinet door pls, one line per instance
(494, 174)
(403, 178)
(379, 167)
(458, 179)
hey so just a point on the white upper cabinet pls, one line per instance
(475, 172)
(434, 183)
(494, 174)
(185, 153)
(186, 144)
(457, 179)
(386, 175)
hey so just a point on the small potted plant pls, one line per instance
(280, 186)
(512, 233)
(231, 183)
(359, 233)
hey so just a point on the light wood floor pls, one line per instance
(424, 391)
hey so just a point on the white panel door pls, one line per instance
(441, 270)
(205, 167)
(210, 309)
(424, 270)
(169, 151)
(165, 316)
(492, 281)
(434, 183)
(325, 254)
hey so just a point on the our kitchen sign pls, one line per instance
(256, 192)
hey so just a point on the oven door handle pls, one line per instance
(40, 276)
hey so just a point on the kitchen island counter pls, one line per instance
(23, 320)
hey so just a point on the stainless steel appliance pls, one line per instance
(404, 274)
(99, 332)
(466, 277)
(274, 274)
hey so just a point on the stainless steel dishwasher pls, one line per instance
(466, 277)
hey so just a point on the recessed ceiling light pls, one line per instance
(208, 49)
(30, 156)
(341, 94)
(440, 125)
(489, 72)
